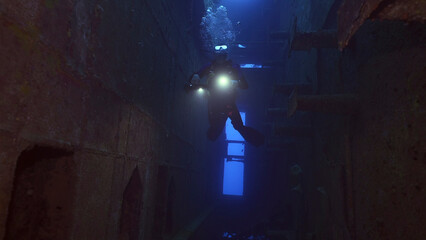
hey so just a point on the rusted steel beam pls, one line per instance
(405, 10)
(353, 13)
(351, 16)
(345, 104)
(293, 130)
(309, 40)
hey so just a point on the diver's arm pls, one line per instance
(194, 83)
(188, 87)
(204, 71)
(194, 86)
(242, 83)
(190, 84)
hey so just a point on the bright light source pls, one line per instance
(220, 47)
(233, 178)
(236, 149)
(241, 46)
(223, 81)
(200, 91)
(251, 65)
(233, 172)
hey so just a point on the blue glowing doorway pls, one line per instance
(233, 171)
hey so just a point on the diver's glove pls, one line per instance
(195, 79)
(188, 87)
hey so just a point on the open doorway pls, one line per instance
(233, 171)
(170, 209)
(160, 203)
(43, 193)
(131, 208)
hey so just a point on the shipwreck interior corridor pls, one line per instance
(308, 124)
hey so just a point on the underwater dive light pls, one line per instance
(223, 81)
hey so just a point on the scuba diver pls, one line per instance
(223, 79)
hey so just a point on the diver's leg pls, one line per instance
(215, 130)
(251, 135)
(235, 116)
(217, 122)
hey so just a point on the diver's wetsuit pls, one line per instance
(221, 104)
